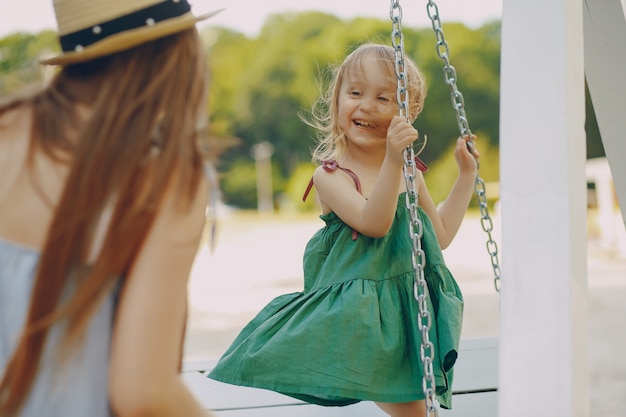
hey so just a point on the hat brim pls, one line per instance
(129, 39)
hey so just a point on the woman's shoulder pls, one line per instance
(15, 119)
(15, 128)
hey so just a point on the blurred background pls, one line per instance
(268, 63)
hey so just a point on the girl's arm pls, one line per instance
(372, 216)
(448, 217)
(144, 377)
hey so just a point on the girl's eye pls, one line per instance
(383, 99)
(354, 93)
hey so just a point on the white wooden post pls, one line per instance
(605, 60)
(262, 153)
(543, 328)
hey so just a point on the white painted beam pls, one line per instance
(543, 321)
(605, 63)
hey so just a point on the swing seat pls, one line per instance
(474, 390)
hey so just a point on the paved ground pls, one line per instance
(258, 258)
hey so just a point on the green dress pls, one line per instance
(352, 334)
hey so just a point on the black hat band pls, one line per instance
(76, 41)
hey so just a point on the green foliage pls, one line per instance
(443, 172)
(261, 86)
(280, 80)
(238, 184)
(227, 77)
(475, 56)
(19, 56)
(595, 148)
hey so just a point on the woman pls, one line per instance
(102, 204)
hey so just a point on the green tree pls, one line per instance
(19, 57)
(443, 172)
(261, 86)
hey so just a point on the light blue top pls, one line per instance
(77, 387)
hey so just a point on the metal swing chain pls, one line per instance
(459, 108)
(418, 257)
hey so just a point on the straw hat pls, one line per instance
(90, 29)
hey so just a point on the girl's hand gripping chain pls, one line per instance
(400, 135)
(466, 160)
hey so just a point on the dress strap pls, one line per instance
(419, 164)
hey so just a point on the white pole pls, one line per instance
(543, 330)
(262, 153)
(605, 60)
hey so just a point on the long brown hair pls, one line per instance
(141, 100)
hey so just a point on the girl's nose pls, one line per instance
(367, 104)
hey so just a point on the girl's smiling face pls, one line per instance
(367, 101)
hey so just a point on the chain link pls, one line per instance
(458, 105)
(416, 227)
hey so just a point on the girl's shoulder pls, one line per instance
(331, 179)
(328, 168)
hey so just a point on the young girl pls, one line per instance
(352, 334)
